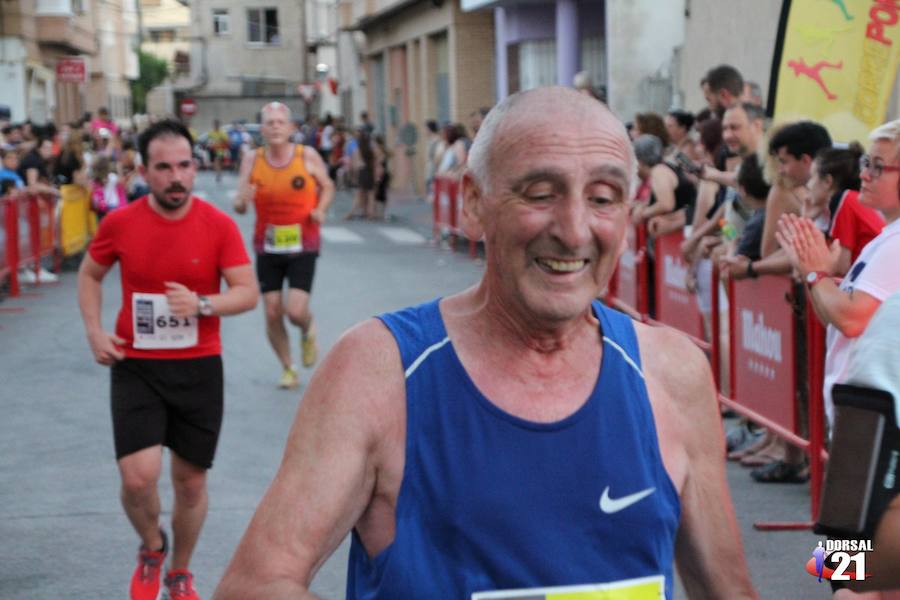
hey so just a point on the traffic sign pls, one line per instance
(188, 106)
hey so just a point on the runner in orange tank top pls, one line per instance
(291, 190)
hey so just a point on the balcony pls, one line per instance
(69, 32)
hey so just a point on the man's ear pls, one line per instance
(472, 207)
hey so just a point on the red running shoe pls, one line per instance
(180, 585)
(145, 580)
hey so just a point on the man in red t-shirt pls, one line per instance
(173, 250)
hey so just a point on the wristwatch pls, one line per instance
(751, 272)
(205, 306)
(814, 277)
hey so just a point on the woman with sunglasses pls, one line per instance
(846, 307)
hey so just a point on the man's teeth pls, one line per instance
(562, 265)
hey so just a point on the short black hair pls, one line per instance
(750, 177)
(161, 129)
(802, 137)
(432, 125)
(725, 77)
(682, 117)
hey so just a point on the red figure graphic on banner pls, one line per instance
(815, 72)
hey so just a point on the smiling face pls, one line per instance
(738, 131)
(555, 217)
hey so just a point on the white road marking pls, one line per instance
(402, 235)
(340, 235)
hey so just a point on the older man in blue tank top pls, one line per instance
(517, 439)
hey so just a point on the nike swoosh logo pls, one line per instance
(610, 506)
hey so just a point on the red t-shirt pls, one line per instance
(151, 250)
(853, 224)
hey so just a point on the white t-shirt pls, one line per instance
(876, 273)
(876, 356)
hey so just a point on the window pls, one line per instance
(263, 87)
(537, 64)
(221, 24)
(262, 26)
(162, 35)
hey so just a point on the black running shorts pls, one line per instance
(298, 269)
(175, 403)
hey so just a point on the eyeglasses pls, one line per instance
(875, 169)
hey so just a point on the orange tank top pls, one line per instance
(285, 197)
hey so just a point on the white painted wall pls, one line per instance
(54, 7)
(641, 38)
(12, 77)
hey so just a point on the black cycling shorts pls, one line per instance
(298, 269)
(174, 403)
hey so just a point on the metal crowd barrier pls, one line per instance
(447, 210)
(29, 234)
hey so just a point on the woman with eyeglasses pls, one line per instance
(846, 307)
(833, 203)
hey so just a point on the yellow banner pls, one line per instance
(837, 64)
(77, 222)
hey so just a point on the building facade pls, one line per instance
(166, 33)
(244, 54)
(421, 60)
(39, 35)
(626, 47)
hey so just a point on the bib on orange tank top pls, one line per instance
(285, 196)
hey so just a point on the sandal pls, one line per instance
(781, 472)
(749, 443)
(761, 459)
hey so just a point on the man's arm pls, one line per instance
(709, 227)
(330, 470)
(779, 201)
(104, 345)
(317, 169)
(245, 191)
(725, 178)
(708, 549)
(242, 294)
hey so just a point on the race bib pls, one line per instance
(283, 239)
(643, 588)
(155, 327)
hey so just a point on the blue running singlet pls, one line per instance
(490, 501)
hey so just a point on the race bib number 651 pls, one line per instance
(155, 327)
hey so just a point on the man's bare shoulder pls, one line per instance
(364, 353)
(362, 371)
(671, 360)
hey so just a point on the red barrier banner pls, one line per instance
(763, 348)
(675, 305)
(627, 288)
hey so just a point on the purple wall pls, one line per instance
(530, 22)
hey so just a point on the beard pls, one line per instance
(168, 204)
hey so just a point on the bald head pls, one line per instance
(539, 108)
(274, 107)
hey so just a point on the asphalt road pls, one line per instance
(63, 531)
